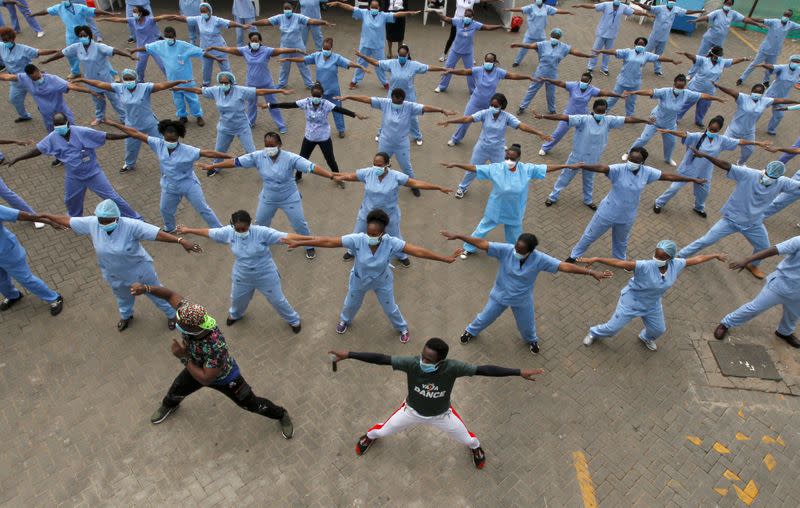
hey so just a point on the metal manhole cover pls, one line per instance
(744, 360)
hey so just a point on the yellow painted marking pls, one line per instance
(584, 480)
(745, 41)
(770, 440)
(741, 413)
(769, 461)
(748, 494)
(722, 492)
(742, 437)
(767, 440)
(695, 440)
(720, 448)
(730, 475)
(779, 440)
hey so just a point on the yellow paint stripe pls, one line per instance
(584, 480)
(742, 437)
(741, 413)
(745, 41)
(695, 440)
(770, 462)
(722, 492)
(780, 441)
(748, 494)
(730, 475)
(720, 448)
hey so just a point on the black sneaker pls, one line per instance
(126, 168)
(347, 256)
(656, 208)
(415, 192)
(466, 337)
(311, 253)
(230, 321)
(363, 444)
(183, 120)
(162, 413)
(478, 457)
(791, 339)
(766, 84)
(130, 40)
(122, 324)
(23, 119)
(7, 303)
(56, 306)
(549, 202)
(701, 213)
(55, 163)
(296, 328)
(570, 260)
(535, 348)
(212, 172)
(405, 263)
(287, 428)
(604, 73)
(591, 206)
(739, 82)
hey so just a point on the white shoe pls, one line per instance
(624, 156)
(376, 139)
(450, 142)
(542, 153)
(437, 90)
(465, 255)
(38, 225)
(587, 341)
(443, 57)
(419, 142)
(40, 34)
(672, 163)
(650, 344)
(460, 193)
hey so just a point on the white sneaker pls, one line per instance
(376, 139)
(672, 163)
(419, 142)
(38, 225)
(437, 89)
(650, 344)
(587, 341)
(460, 193)
(40, 34)
(443, 57)
(450, 142)
(542, 153)
(624, 156)
(465, 255)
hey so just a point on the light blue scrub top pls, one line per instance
(244, 9)
(17, 57)
(536, 17)
(719, 24)
(72, 16)
(747, 113)
(493, 133)
(49, 95)
(368, 266)
(465, 35)
(515, 280)
(9, 245)
(136, 103)
(189, 7)
(232, 106)
(327, 70)
(509, 196)
(578, 103)
(402, 76)
(257, 65)
(776, 35)
(291, 28)
(373, 28)
(608, 26)
(177, 59)
(485, 84)
(645, 289)
(278, 175)
(630, 76)
(785, 280)
(145, 31)
(120, 252)
(396, 121)
(669, 105)
(311, 8)
(381, 193)
(177, 168)
(77, 154)
(211, 30)
(698, 167)
(750, 197)
(662, 24)
(93, 58)
(622, 201)
(252, 253)
(549, 58)
(707, 73)
(784, 80)
(591, 136)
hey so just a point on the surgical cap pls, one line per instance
(229, 75)
(669, 247)
(129, 72)
(556, 32)
(107, 209)
(208, 6)
(775, 169)
(794, 58)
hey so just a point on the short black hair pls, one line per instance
(256, 34)
(142, 9)
(439, 346)
(241, 217)
(405, 47)
(273, 135)
(398, 93)
(530, 241)
(640, 39)
(717, 51)
(82, 28)
(493, 55)
(30, 69)
(680, 77)
(587, 74)
(600, 102)
(642, 151)
(719, 120)
(169, 30)
(170, 124)
(758, 85)
(385, 156)
(517, 148)
(318, 86)
(501, 99)
(378, 216)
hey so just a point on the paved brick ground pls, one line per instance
(657, 429)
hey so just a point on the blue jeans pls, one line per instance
(760, 58)
(601, 43)
(526, 39)
(132, 146)
(656, 47)
(647, 134)
(305, 74)
(765, 300)
(293, 210)
(11, 197)
(511, 231)
(452, 59)
(480, 154)
(193, 193)
(75, 191)
(401, 153)
(523, 315)
(244, 285)
(383, 286)
(16, 96)
(13, 265)
(756, 234)
(653, 319)
(630, 101)
(377, 54)
(550, 93)
(620, 233)
(181, 99)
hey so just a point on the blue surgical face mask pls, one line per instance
(327, 53)
(518, 256)
(374, 12)
(84, 40)
(255, 45)
(755, 96)
(130, 85)
(8, 44)
(632, 166)
(109, 227)
(427, 368)
(793, 66)
(39, 81)
(136, 15)
(583, 86)
(372, 241)
(61, 129)
(494, 110)
(225, 87)
(206, 16)
(402, 59)
(316, 101)
(379, 170)
(241, 234)
(171, 42)
(598, 117)
(784, 19)
(66, 3)
(767, 181)
(397, 107)
(670, 5)
(677, 91)
(639, 49)
(171, 145)
(488, 66)
(711, 135)
(661, 263)
(553, 41)
(287, 13)
(539, 2)
(467, 21)
(726, 8)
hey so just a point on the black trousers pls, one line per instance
(238, 391)
(450, 39)
(327, 151)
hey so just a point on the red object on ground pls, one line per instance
(516, 23)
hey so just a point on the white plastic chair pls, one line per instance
(440, 10)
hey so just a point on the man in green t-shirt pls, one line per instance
(431, 377)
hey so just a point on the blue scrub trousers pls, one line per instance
(468, 60)
(480, 154)
(550, 93)
(132, 146)
(275, 113)
(760, 58)
(706, 45)
(208, 67)
(74, 63)
(245, 283)
(377, 54)
(125, 301)
(11, 197)
(656, 47)
(472, 107)
(141, 65)
(511, 231)
(746, 150)
(765, 300)
(26, 12)
(383, 286)
(701, 192)
(401, 153)
(700, 110)
(630, 101)
(194, 31)
(48, 120)
(526, 39)
(224, 140)
(13, 265)
(647, 134)
(620, 233)
(181, 99)
(565, 178)
(100, 105)
(338, 118)
(653, 319)
(75, 190)
(756, 234)
(193, 192)
(783, 200)
(523, 315)
(601, 43)
(316, 35)
(293, 210)
(240, 33)
(129, 15)
(789, 156)
(16, 96)
(305, 74)
(393, 229)
(775, 120)
(561, 130)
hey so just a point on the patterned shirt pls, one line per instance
(210, 352)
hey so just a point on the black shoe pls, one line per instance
(212, 172)
(200, 121)
(720, 331)
(415, 192)
(466, 337)
(23, 119)
(287, 427)
(591, 206)
(296, 328)
(604, 73)
(739, 82)
(183, 120)
(171, 323)
(230, 321)
(311, 253)
(122, 324)
(478, 457)
(7, 303)
(701, 213)
(535, 348)
(363, 444)
(405, 263)
(699, 125)
(766, 84)
(131, 39)
(791, 339)
(570, 260)
(162, 413)
(549, 202)
(57, 306)
(515, 64)
(55, 163)
(298, 176)
(126, 168)
(656, 208)
(347, 256)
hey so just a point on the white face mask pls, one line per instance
(767, 181)
(379, 170)
(510, 163)
(241, 234)
(660, 262)
(255, 45)
(372, 241)
(272, 151)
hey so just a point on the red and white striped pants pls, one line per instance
(449, 421)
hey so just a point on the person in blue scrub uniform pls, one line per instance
(611, 14)
(244, 13)
(277, 167)
(719, 24)
(772, 45)
(519, 266)
(189, 8)
(785, 198)
(617, 211)
(707, 71)
(15, 57)
(145, 30)
(663, 17)
(744, 211)
(8, 195)
(536, 15)
(372, 270)
(311, 9)
(782, 288)
(642, 296)
(253, 268)
(25, 10)
(786, 78)
(121, 257)
(13, 265)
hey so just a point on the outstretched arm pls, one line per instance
(690, 56)
(423, 185)
(463, 119)
(724, 165)
(102, 85)
(742, 59)
(579, 270)
(560, 84)
(8, 77)
(581, 54)
(673, 177)
(696, 260)
(27, 155)
(190, 89)
(729, 91)
(557, 118)
(81, 89)
(376, 358)
(130, 131)
(680, 134)
(526, 46)
(625, 264)
(328, 242)
(764, 254)
(633, 119)
(530, 130)
(643, 93)
(596, 168)
(706, 97)
(124, 53)
(403, 14)
(514, 76)
(465, 167)
(188, 246)
(490, 28)
(480, 243)
(358, 98)
(372, 61)
(53, 58)
(496, 371)
(423, 253)
(341, 5)
(790, 150)
(231, 51)
(166, 85)
(172, 297)
(434, 109)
